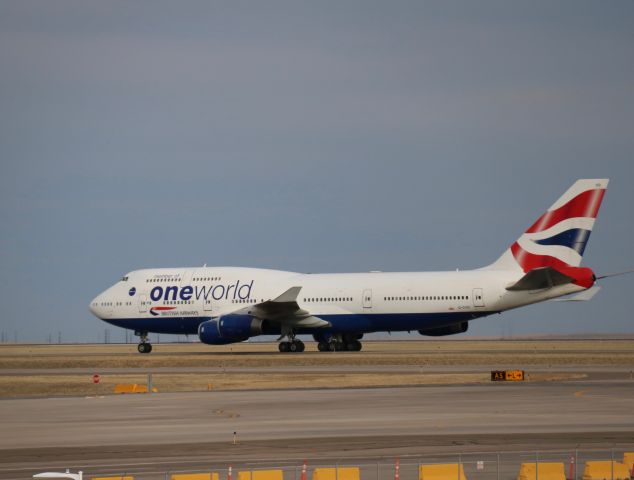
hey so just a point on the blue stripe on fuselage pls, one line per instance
(347, 323)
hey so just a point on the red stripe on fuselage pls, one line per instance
(585, 204)
(163, 308)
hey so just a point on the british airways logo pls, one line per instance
(216, 292)
(156, 310)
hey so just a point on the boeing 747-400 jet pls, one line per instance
(224, 305)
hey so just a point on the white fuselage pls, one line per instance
(177, 300)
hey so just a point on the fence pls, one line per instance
(476, 466)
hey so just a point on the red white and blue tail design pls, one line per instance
(559, 237)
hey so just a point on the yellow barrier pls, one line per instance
(112, 478)
(628, 460)
(195, 476)
(442, 471)
(605, 471)
(545, 471)
(341, 473)
(261, 475)
(132, 388)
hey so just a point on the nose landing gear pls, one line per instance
(144, 346)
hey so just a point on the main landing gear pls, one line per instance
(144, 346)
(292, 345)
(340, 343)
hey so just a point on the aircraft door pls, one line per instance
(478, 297)
(207, 304)
(367, 298)
(142, 303)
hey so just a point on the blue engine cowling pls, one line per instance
(229, 329)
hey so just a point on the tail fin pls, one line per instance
(559, 237)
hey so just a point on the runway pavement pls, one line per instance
(213, 416)
(192, 428)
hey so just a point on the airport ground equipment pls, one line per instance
(605, 470)
(544, 471)
(339, 473)
(442, 471)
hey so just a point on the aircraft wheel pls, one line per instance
(293, 347)
(300, 346)
(357, 346)
(144, 347)
(284, 347)
(323, 347)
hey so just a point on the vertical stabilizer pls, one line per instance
(559, 237)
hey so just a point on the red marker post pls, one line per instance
(304, 471)
(397, 465)
(96, 378)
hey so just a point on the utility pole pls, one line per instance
(59, 337)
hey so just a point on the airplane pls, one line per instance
(225, 305)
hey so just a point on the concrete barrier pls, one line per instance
(341, 473)
(605, 470)
(261, 475)
(132, 388)
(195, 476)
(545, 471)
(442, 471)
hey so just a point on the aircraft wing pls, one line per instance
(540, 278)
(285, 310)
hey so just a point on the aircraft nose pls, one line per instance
(94, 306)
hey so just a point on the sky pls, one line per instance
(305, 136)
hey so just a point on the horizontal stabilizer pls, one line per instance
(580, 297)
(540, 279)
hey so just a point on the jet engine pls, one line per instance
(229, 329)
(452, 329)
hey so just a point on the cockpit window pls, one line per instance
(124, 279)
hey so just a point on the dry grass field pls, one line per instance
(25, 370)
